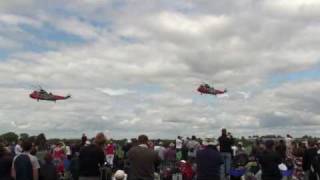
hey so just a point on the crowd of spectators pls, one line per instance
(222, 158)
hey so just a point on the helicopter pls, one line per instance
(206, 89)
(41, 94)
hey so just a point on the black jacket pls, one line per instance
(225, 144)
(269, 161)
(308, 156)
(90, 159)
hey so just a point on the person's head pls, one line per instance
(26, 146)
(143, 139)
(100, 139)
(193, 137)
(33, 151)
(3, 150)
(240, 145)
(119, 175)
(311, 143)
(269, 144)
(281, 142)
(224, 132)
(58, 144)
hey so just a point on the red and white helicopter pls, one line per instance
(206, 89)
(44, 95)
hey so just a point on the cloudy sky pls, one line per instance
(133, 66)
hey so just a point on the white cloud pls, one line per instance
(12, 19)
(115, 92)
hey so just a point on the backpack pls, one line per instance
(23, 167)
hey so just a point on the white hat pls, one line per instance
(208, 141)
(282, 167)
(119, 175)
(87, 143)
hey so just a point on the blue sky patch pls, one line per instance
(310, 74)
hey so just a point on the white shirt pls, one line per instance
(68, 150)
(17, 149)
(178, 143)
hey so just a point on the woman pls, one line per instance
(5, 163)
(58, 157)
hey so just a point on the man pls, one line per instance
(179, 144)
(270, 161)
(225, 142)
(209, 161)
(48, 169)
(5, 163)
(142, 160)
(25, 166)
(281, 148)
(83, 139)
(160, 149)
(308, 156)
(91, 158)
(193, 146)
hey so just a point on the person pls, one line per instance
(170, 156)
(225, 142)
(257, 149)
(209, 161)
(91, 158)
(179, 144)
(48, 170)
(239, 161)
(119, 175)
(126, 147)
(315, 167)
(297, 152)
(308, 156)
(58, 157)
(288, 142)
(74, 165)
(25, 166)
(281, 148)
(270, 161)
(83, 139)
(143, 160)
(5, 163)
(193, 146)
(240, 149)
(160, 149)
(110, 151)
(17, 148)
